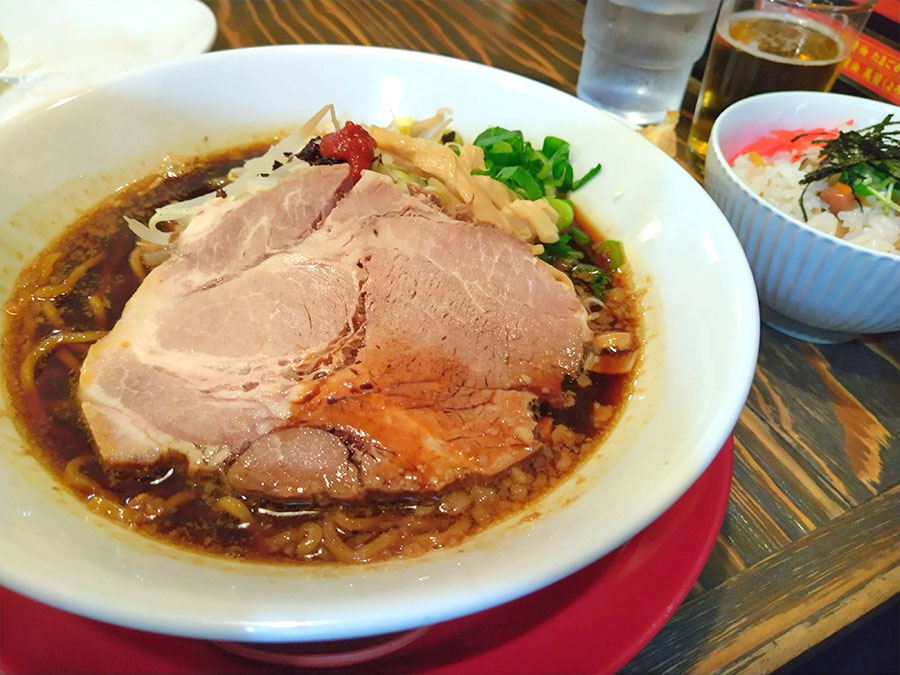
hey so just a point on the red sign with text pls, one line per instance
(876, 67)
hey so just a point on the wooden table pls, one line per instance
(810, 538)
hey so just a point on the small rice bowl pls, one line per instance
(777, 180)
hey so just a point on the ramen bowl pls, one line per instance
(697, 294)
(811, 285)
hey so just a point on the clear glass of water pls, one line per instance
(638, 54)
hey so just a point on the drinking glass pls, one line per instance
(638, 54)
(773, 45)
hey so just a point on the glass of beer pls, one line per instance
(773, 45)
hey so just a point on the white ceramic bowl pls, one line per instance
(701, 330)
(811, 285)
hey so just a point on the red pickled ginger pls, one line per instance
(795, 141)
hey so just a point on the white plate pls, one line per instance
(59, 47)
(700, 312)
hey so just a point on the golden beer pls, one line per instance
(755, 52)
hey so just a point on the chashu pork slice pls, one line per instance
(201, 360)
(464, 331)
(382, 347)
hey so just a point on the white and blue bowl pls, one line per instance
(811, 285)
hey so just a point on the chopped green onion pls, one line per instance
(539, 166)
(610, 252)
(593, 275)
(520, 181)
(560, 249)
(580, 237)
(586, 177)
(531, 173)
(599, 286)
(554, 147)
(586, 272)
(565, 211)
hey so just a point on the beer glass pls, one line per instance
(774, 45)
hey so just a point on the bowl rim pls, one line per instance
(766, 101)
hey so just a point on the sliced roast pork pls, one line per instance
(323, 339)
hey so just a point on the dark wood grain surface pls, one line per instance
(810, 538)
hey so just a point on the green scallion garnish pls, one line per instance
(531, 173)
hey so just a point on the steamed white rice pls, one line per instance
(778, 182)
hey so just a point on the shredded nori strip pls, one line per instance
(310, 152)
(866, 159)
(313, 155)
